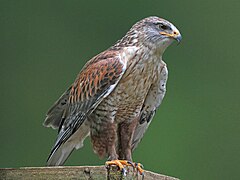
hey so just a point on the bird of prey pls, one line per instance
(115, 96)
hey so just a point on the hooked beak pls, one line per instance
(175, 35)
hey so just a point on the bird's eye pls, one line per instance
(163, 26)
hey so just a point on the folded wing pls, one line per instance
(95, 82)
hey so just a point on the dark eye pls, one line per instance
(163, 26)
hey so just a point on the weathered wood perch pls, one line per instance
(76, 173)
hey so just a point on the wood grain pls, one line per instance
(76, 173)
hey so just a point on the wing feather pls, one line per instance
(95, 82)
(55, 113)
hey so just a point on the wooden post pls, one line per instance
(76, 173)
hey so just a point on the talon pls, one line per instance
(139, 168)
(120, 164)
(142, 175)
(115, 162)
(124, 171)
(131, 164)
(126, 163)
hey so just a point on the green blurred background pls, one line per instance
(44, 44)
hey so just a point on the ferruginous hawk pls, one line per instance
(115, 96)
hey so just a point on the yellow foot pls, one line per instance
(139, 168)
(120, 164)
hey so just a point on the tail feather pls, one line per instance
(60, 153)
(58, 157)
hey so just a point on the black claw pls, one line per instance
(142, 175)
(129, 162)
(124, 171)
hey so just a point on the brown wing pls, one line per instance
(55, 113)
(96, 81)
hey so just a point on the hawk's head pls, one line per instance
(153, 32)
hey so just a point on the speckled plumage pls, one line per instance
(116, 94)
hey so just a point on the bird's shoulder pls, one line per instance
(99, 73)
(94, 82)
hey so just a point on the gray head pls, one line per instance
(152, 32)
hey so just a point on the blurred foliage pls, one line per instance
(44, 44)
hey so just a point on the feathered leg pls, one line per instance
(126, 131)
